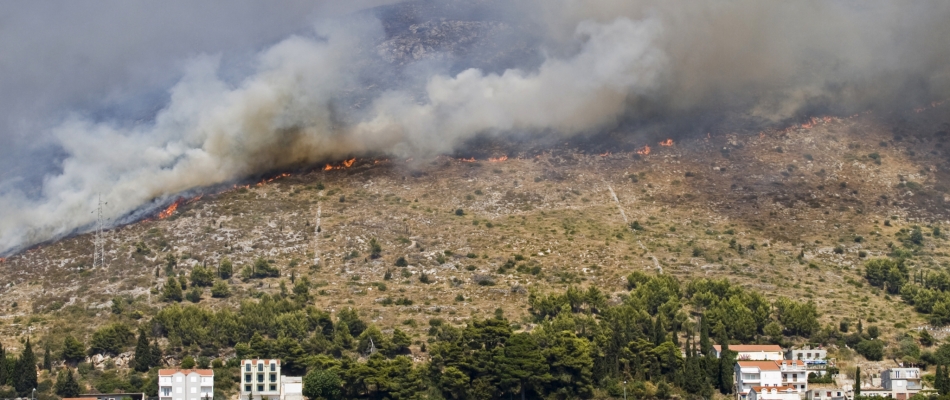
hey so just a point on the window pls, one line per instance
(260, 378)
(273, 377)
(194, 390)
(260, 388)
(273, 387)
(829, 394)
(247, 367)
(178, 389)
(260, 366)
(247, 388)
(247, 377)
(194, 379)
(178, 378)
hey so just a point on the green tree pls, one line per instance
(194, 295)
(320, 384)
(375, 249)
(25, 371)
(201, 276)
(727, 359)
(172, 290)
(66, 385)
(47, 358)
(73, 350)
(225, 269)
(188, 362)
(523, 367)
(873, 350)
(142, 360)
(110, 339)
(220, 290)
(857, 383)
(874, 331)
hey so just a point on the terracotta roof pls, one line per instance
(202, 372)
(799, 363)
(778, 388)
(751, 347)
(761, 365)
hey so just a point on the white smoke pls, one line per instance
(281, 115)
(606, 60)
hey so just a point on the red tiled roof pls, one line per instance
(751, 347)
(202, 372)
(761, 365)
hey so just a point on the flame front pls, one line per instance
(667, 143)
(171, 209)
(499, 159)
(470, 159)
(343, 164)
(645, 151)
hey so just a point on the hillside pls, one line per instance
(740, 205)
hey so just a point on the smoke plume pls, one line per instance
(328, 91)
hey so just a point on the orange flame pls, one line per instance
(498, 159)
(667, 143)
(171, 209)
(606, 154)
(470, 159)
(343, 164)
(645, 151)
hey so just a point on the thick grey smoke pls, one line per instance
(312, 96)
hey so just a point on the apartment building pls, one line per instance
(770, 374)
(834, 393)
(185, 384)
(260, 380)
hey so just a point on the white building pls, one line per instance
(185, 384)
(260, 380)
(786, 373)
(754, 352)
(291, 388)
(901, 379)
(827, 394)
(773, 393)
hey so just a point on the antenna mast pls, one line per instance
(98, 258)
(316, 238)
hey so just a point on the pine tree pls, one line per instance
(857, 380)
(25, 379)
(73, 350)
(66, 385)
(143, 353)
(172, 290)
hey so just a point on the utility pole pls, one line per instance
(316, 238)
(99, 258)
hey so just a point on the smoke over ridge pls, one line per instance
(328, 92)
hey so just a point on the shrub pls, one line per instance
(401, 262)
(459, 212)
(220, 290)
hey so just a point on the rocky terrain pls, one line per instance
(792, 211)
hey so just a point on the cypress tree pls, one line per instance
(3, 366)
(857, 380)
(25, 380)
(704, 346)
(727, 362)
(143, 353)
(943, 376)
(66, 385)
(47, 359)
(938, 381)
(659, 332)
(156, 356)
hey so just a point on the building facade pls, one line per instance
(185, 384)
(827, 394)
(786, 373)
(291, 388)
(754, 352)
(773, 393)
(260, 380)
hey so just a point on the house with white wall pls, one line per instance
(753, 352)
(785, 373)
(185, 384)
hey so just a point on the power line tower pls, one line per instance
(99, 257)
